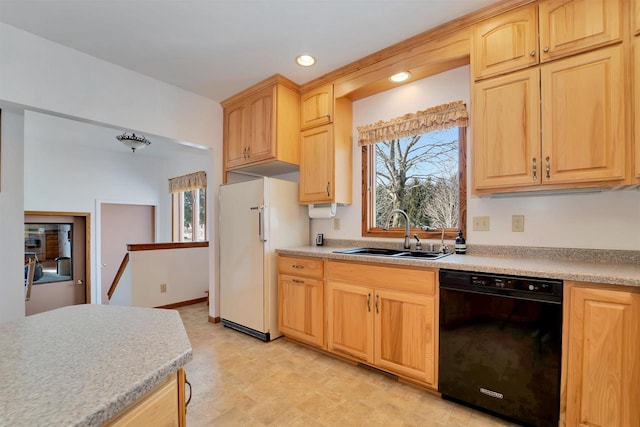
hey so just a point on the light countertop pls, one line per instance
(83, 364)
(560, 268)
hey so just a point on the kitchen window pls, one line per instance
(189, 201)
(416, 163)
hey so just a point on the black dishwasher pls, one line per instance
(500, 343)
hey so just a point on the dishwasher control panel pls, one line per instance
(499, 283)
(522, 284)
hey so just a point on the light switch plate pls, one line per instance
(480, 223)
(517, 223)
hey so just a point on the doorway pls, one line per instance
(120, 225)
(59, 241)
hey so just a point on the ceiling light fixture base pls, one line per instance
(133, 141)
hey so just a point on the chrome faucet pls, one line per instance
(407, 241)
(418, 243)
(443, 247)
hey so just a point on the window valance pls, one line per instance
(188, 182)
(443, 116)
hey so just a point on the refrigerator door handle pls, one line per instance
(260, 210)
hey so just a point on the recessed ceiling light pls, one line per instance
(400, 77)
(305, 60)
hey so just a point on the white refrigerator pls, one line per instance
(256, 217)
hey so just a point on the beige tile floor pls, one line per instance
(240, 381)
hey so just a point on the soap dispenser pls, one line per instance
(461, 244)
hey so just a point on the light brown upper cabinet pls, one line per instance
(582, 121)
(567, 27)
(326, 159)
(583, 125)
(316, 107)
(506, 131)
(505, 43)
(261, 124)
(509, 41)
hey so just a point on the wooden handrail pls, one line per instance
(119, 274)
(132, 247)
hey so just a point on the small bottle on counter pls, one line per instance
(461, 244)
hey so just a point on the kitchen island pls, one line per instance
(83, 365)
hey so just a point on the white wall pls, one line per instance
(213, 181)
(184, 271)
(44, 75)
(603, 220)
(40, 75)
(11, 217)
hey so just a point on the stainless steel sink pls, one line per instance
(391, 253)
(370, 251)
(420, 254)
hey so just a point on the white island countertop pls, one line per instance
(81, 365)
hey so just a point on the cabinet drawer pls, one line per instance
(399, 278)
(307, 267)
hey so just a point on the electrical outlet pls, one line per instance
(480, 223)
(336, 223)
(163, 288)
(517, 223)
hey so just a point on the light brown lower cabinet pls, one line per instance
(164, 406)
(384, 316)
(601, 356)
(301, 299)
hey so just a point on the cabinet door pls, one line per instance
(159, 407)
(350, 320)
(603, 358)
(583, 126)
(505, 43)
(405, 334)
(301, 309)
(317, 107)
(261, 127)
(635, 20)
(636, 88)
(506, 136)
(573, 26)
(316, 165)
(236, 146)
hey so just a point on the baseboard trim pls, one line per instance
(214, 319)
(184, 303)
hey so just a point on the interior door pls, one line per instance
(121, 225)
(59, 242)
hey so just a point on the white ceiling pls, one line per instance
(217, 48)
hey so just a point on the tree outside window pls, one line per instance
(418, 174)
(193, 214)
(416, 163)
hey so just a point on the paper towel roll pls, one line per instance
(323, 211)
